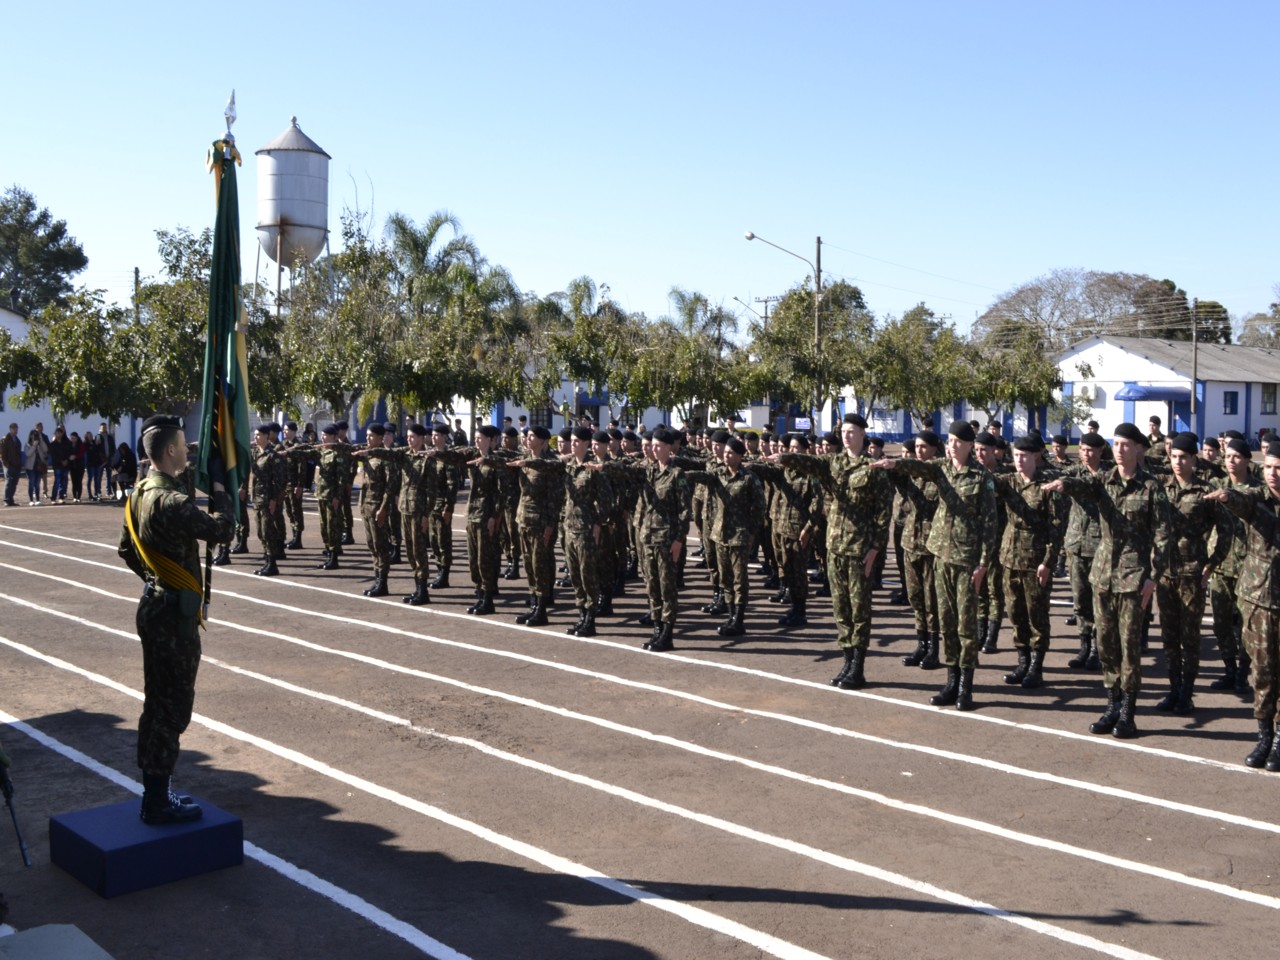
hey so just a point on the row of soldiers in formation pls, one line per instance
(975, 537)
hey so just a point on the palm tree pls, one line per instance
(432, 268)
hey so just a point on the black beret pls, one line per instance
(158, 422)
(1003, 444)
(330, 430)
(750, 435)
(389, 426)
(961, 430)
(290, 425)
(1092, 440)
(614, 433)
(766, 435)
(799, 438)
(1061, 438)
(582, 433)
(600, 436)
(262, 428)
(506, 419)
(1273, 449)
(343, 425)
(442, 428)
(929, 437)
(1092, 424)
(565, 434)
(1233, 434)
(377, 429)
(541, 432)
(630, 436)
(737, 446)
(1187, 443)
(985, 439)
(489, 430)
(857, 419)
(663, 435)
(1268, 437)
(1028, 445)
(1154, 419)
(832, 438)
(720, 436)
(875, 441)
(1127, 431)
(510, 431)
(1240, 446)
(417, 429)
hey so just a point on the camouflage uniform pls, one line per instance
(268, 475)
(541, 500)
(918, 502)
(1132, 548)
(1227, 618)
(440, 518)
(331, 484)
(991, 597)
(794, 500)
(735, 504)
(416, 492)
(169, 523)
(377, 493)
(1032, 537)
(484, 504)
(860, 498)
(294, 474)
(664, 509)
(1080, 542)
(509, 521)
(962, 538)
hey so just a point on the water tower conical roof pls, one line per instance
(293, 139)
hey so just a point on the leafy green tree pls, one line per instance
(37, 255)
(1262, 329)
(1012, 366)
(1213, 322)
(934, 365)
(1161, 310)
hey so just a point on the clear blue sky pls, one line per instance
(979, 144)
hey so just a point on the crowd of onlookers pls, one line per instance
(67, 467)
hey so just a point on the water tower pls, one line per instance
(293, 200)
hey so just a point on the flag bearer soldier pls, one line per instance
(295, 472)
(1029, 548)
(919, 502)
(858, 500)
(484, 505)
(1131, 557)
(160, 543)
(1080, 543)
(964, 543)
(1180, 591)
(1259, 594)
(1227, 618)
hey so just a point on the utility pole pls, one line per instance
(1195, 358)
(817, 338)
(137, 289)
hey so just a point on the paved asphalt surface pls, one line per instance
(419, 781)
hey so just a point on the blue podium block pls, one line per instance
(111, 851)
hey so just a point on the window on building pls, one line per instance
(1231, 402)
(540, 417)
(1268, 398)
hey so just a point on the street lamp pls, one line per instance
(816, 267)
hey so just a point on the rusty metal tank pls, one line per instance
(293, 197)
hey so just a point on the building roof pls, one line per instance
(1216, 361)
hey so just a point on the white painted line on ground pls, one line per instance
(305, 878)
(950, 716)
(693, 914)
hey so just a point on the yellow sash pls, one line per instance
(170, 574)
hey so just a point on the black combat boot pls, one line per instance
(160, 806)
(795, 617)
(604, 604)
(931, 659)
(964, 692)
(1228, 679)
(983, 623)
(223, 556)
(441, 582)
(843, 675)
(772, 581)
(854, 679)
(1072, 620)
(1273, 758)
(1126, 729)
(993, 633)
(587, 628)
(733, 626)
(582, 618)
(1035, 671)
(922, 647)
(564, 582)
(280, 553)
(1258, 757)
(782, 596)
(1094, 663)
(657, 632)
(348, 540)
(379, 588)
(1081, 660)
(513, 570)
(1243, 690)
(538, 618)
(242, 544)
(1107, 722)
(1186, 696)
(1170, 699)
(330, 563)
(397, 555)
(532, 605)
(296, 542)
(645, 619)
(483, 605)
(949, 693)
(1020, 671)
(663, 642)
(717, 605)
(419, 596)
(268, 569)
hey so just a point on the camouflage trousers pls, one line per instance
(417, 544)
(512, 542)
(330, 525)
(607, 556)
(957, 613)
(1228, 623)
(270, 529)
(1028, 604)
(991, 597)
(378, 537)
(660, 574)
(293, 508)
(582, 555)
(395, 524)
(850, 599)
(483, 556)
(348, 523)
(732, 561)
(709, 548)
(922, 592)
(899, 555)
(791, 571)
(441, 537)
(170, 658)
(1081, 593)
(1181, 610)
(539, 559)
(1260, 639)
(1118, 619)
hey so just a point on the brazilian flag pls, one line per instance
(224, 424)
